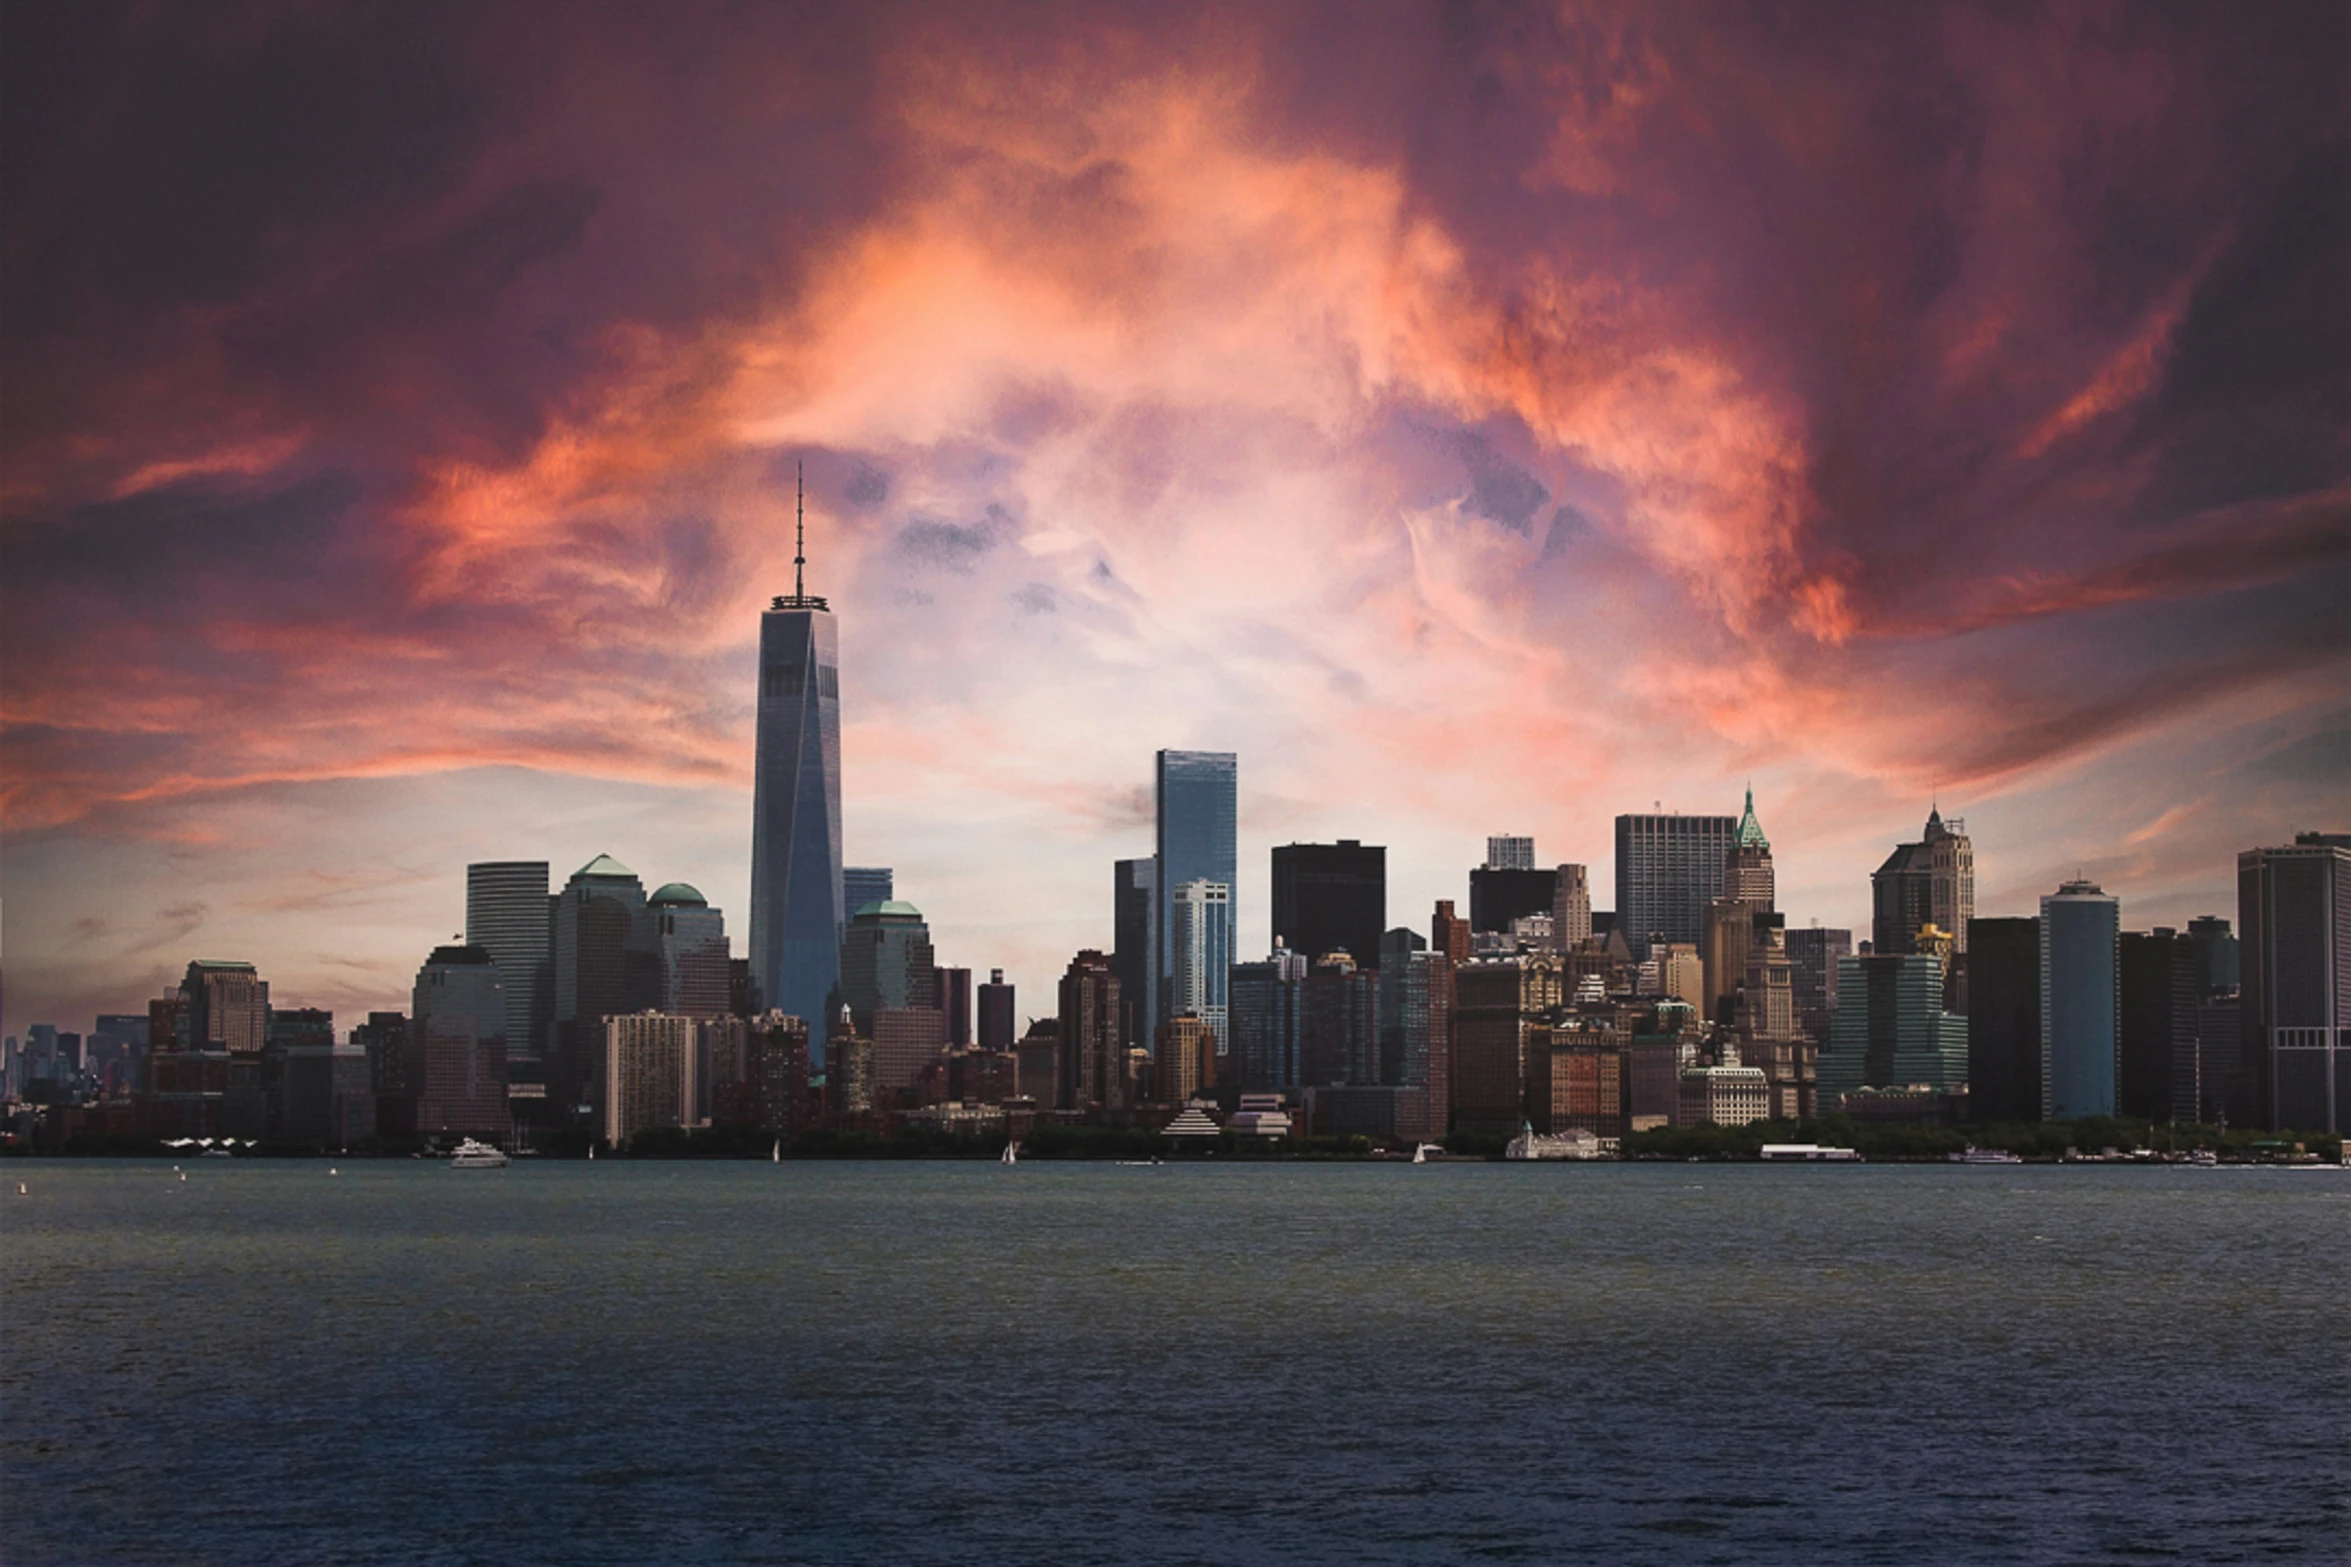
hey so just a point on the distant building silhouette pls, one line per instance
(2294, 916)
(1331, 897)
(996, 1018)
(955, 1002)
(2004, 1020)
(1812, 976)
(1265, 1015)
(1090, 1043)
(2161, 974)
(457, 1042)
(602, 967)
(1134, 920)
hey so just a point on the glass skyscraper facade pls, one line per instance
(864, 884)
(1134, 910)
(1200, 953)
(1198, 794)
(797, 911)
(2080, 1000)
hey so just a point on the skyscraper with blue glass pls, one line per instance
(1198, 794)
(796, 893)
(2081, 929)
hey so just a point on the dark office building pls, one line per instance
(1499, 1008)
(509, 915)
(1134, 915)
(2294, 920)
(954, 988)
(996, 1021)
(1331, 897)
(2162, 975)
(1265, 1016)
(1812, 976)
(599, 971)
(1093, 1055)
(2217, 1057)
(2216, 951)
(1496, 897)
(1338, 1033)
(2003, 1019)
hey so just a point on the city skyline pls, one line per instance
(1478, 431)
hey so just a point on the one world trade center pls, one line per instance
(796, 911)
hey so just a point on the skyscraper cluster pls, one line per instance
(600, 1008)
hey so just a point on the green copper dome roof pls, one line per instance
(1751, 830)
(894, 906)
(677, 892)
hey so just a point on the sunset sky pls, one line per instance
(1480, 418)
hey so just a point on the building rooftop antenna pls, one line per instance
(799, 598)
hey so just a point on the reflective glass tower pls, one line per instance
(796, 911)
(2080, 1001)
(1198, 796)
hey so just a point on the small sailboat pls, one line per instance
(1011, 1153)
(775, 1155)
(591, 1153)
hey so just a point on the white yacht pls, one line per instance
(1975, 1155)
(473, 1155)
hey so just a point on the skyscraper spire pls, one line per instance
(796, 883)
(1750, 833)
(800, 597)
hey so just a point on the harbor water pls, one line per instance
(620, 1362)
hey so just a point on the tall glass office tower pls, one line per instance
(796, 893)
(2080, 1001)
(508, 915)
(1198, 794)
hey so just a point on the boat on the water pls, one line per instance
(473, 1155)
(1422, 1153)
(1011, 1154)
(1975, 1155)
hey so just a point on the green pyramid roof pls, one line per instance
(1751, 830)
(603, 865)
